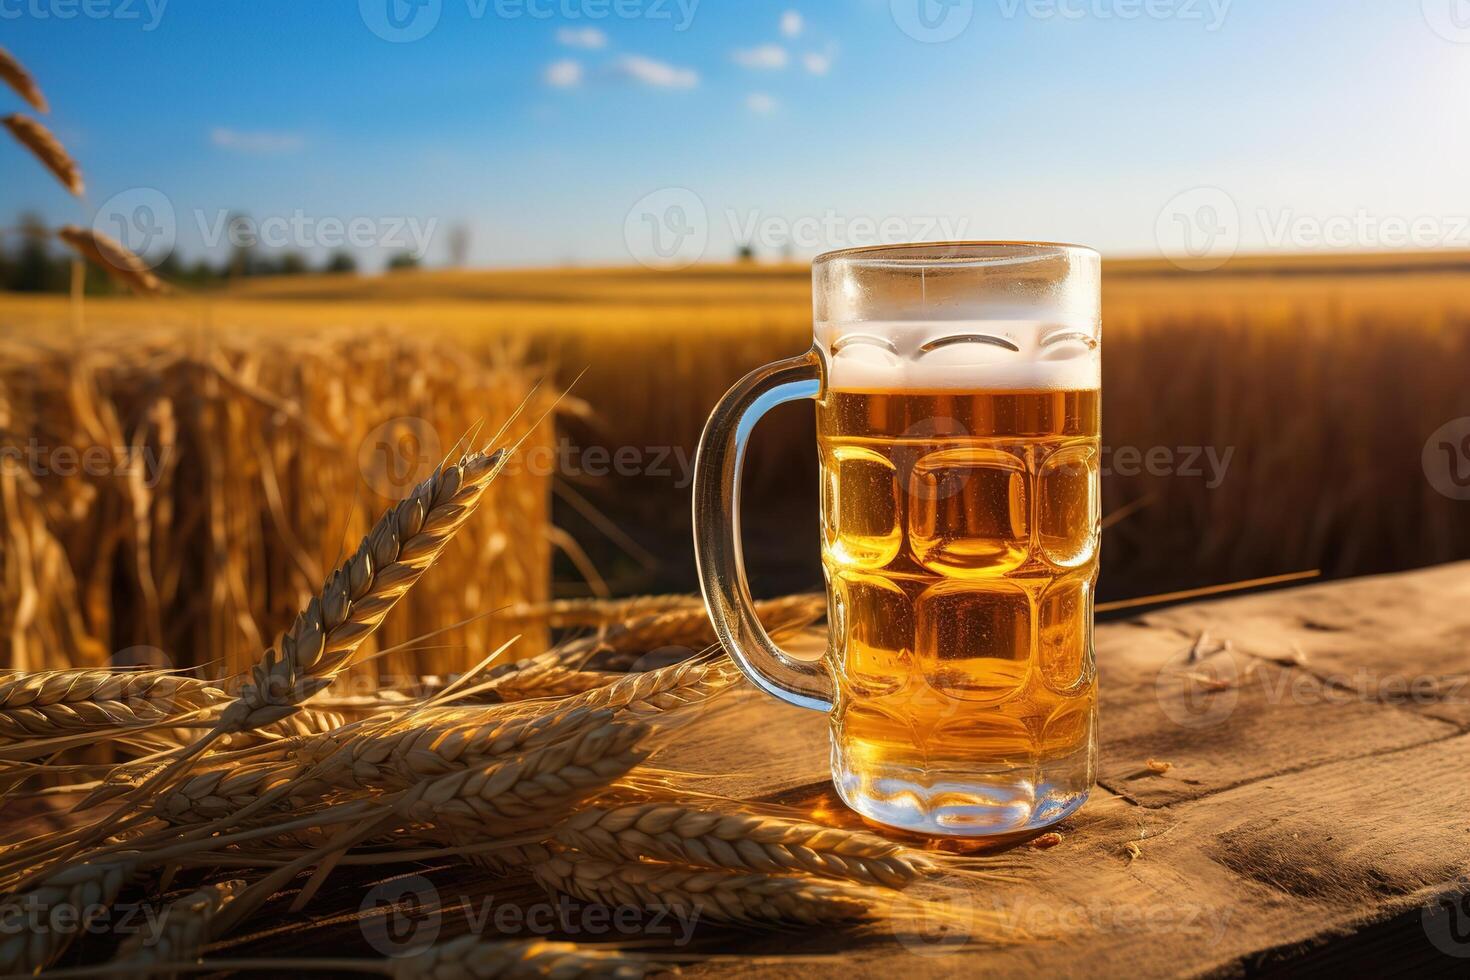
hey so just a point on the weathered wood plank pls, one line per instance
(1295, 826)
(1399, 639)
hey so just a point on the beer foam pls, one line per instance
(945, 355)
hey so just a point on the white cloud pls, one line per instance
(655, 73)
(760, 103)
(817, 64)
(563, 74)
(791, 23)
(766, 56)
(581, 37)
(258, 142)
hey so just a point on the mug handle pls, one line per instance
(717, 548)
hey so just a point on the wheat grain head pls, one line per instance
(739, 841)
(47, 149)
(14, 74)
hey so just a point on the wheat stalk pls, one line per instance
(14, 74)
(47, 149)
(746, 898)
(113, 258)
(183, 929)
(64, 702)
(359, 593)
(78, 892)
(740, 841)
(471, 958)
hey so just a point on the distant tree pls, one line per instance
(242, 247)
(203, 274)
(292, 264)
(404, 260)
(341, 262)
(745, 253)
(459, 245)
(33, 270)
(171, 268)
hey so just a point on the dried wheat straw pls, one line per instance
(181, 932)
(78, 892)
(112, 258)
(64, 702)
(472, 958)
(53, 156)
(748, 898)
(14, 74)
(740, 841)
(359, 593)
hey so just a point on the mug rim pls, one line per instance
(951, 251)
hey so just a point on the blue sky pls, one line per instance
(541, 124)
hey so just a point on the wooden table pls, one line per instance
(1317, 801)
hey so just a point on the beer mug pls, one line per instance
(957, 391)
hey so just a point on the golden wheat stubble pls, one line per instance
(960, 534)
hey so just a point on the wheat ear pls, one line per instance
(664, 689)
(113, 258)
(220, 793)
(47, 149)
(14, 74)
(564, 613)
(690, 627)
(182, 932)
(85, 890)
(747, 898)
(449, 740)
(472, 958)
(740, 841)
(534, 784)
(359, 593)
(63, 702)
(545, 675)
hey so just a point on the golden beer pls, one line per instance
(958, 410)
(960, 543)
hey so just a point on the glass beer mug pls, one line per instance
(957, 391)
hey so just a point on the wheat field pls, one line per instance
(1304, 377)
